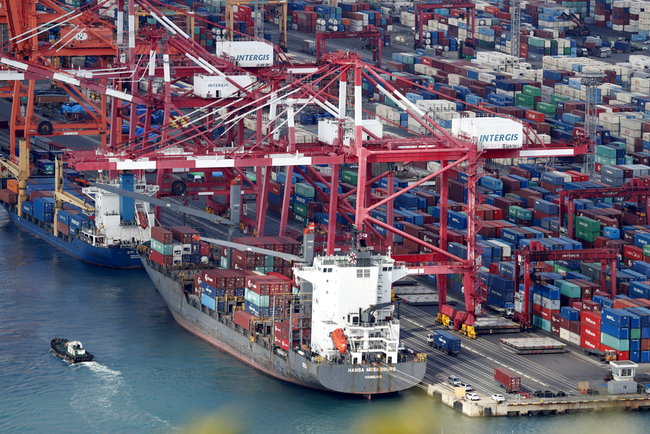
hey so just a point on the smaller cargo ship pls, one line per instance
(93, 225)
(73, 351)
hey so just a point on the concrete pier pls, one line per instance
(531, 407)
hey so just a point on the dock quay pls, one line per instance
(533, 407)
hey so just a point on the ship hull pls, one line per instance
(294, 367)
(114, 258)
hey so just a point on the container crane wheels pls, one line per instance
(178, 188)
(45, 128)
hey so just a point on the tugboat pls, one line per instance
(71, 350)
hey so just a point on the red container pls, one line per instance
(590, 319)
(592, 344)
(243, 319)
(8, 196)
(555, 329)
(591, 333)
(508, 379)
(590, 306)
(162, 235)
(535, 116)
(185, 235)
(63, 228)
(159, 258)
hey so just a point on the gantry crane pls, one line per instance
(536, 253)
(283, 92)
(469, 15)
(637, 190)
(282, 18)
(373, 34)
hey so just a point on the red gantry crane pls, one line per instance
(212, 137)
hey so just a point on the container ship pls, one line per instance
(106, 233)
(328, 326)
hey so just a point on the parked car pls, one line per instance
(454, 381)
(498, 397)
(472, 396)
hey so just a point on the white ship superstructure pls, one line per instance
(353, 293)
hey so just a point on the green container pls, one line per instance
(512, 210)
(252, 296)
(524, 214)
(646, 250)
(458, 278)
(224, 262)
(531, 90)
(350, 177)
(546, 108)
(299, 219)
(305, 190)
(588, 225)
(559, 268)
(585, 235)
(163, 249)
(605, 160)
(299, 208)
(523, 99)
(612, 342)
(568, 289)
(635, 333)
(536, 42)
(605, 151)
(555, 98)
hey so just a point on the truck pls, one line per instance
(507, 379)
(604, 356)
(444, 341)
(507, 311)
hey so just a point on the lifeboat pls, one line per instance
(340, 342)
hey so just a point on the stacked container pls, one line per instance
(162, 246)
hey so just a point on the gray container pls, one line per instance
(612, 172)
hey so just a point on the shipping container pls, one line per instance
(507, 379)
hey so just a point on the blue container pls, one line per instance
(548, 208)
(208, 302)
(501, 283)
(605, 303)
(570, 313)
(612, 330)
(28, 207)
(639, 290)
(617, 317)
(448, 342)
(208, 290)
(252, 308)
(44, 204)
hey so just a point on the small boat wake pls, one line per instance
(105, 402)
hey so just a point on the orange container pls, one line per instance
(12, 185)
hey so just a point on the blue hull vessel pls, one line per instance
(74, 246)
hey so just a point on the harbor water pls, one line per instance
(150, 375)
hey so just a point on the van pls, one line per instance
(454, 381)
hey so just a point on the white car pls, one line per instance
(472, 396)
(468, 387)
(498, 397)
